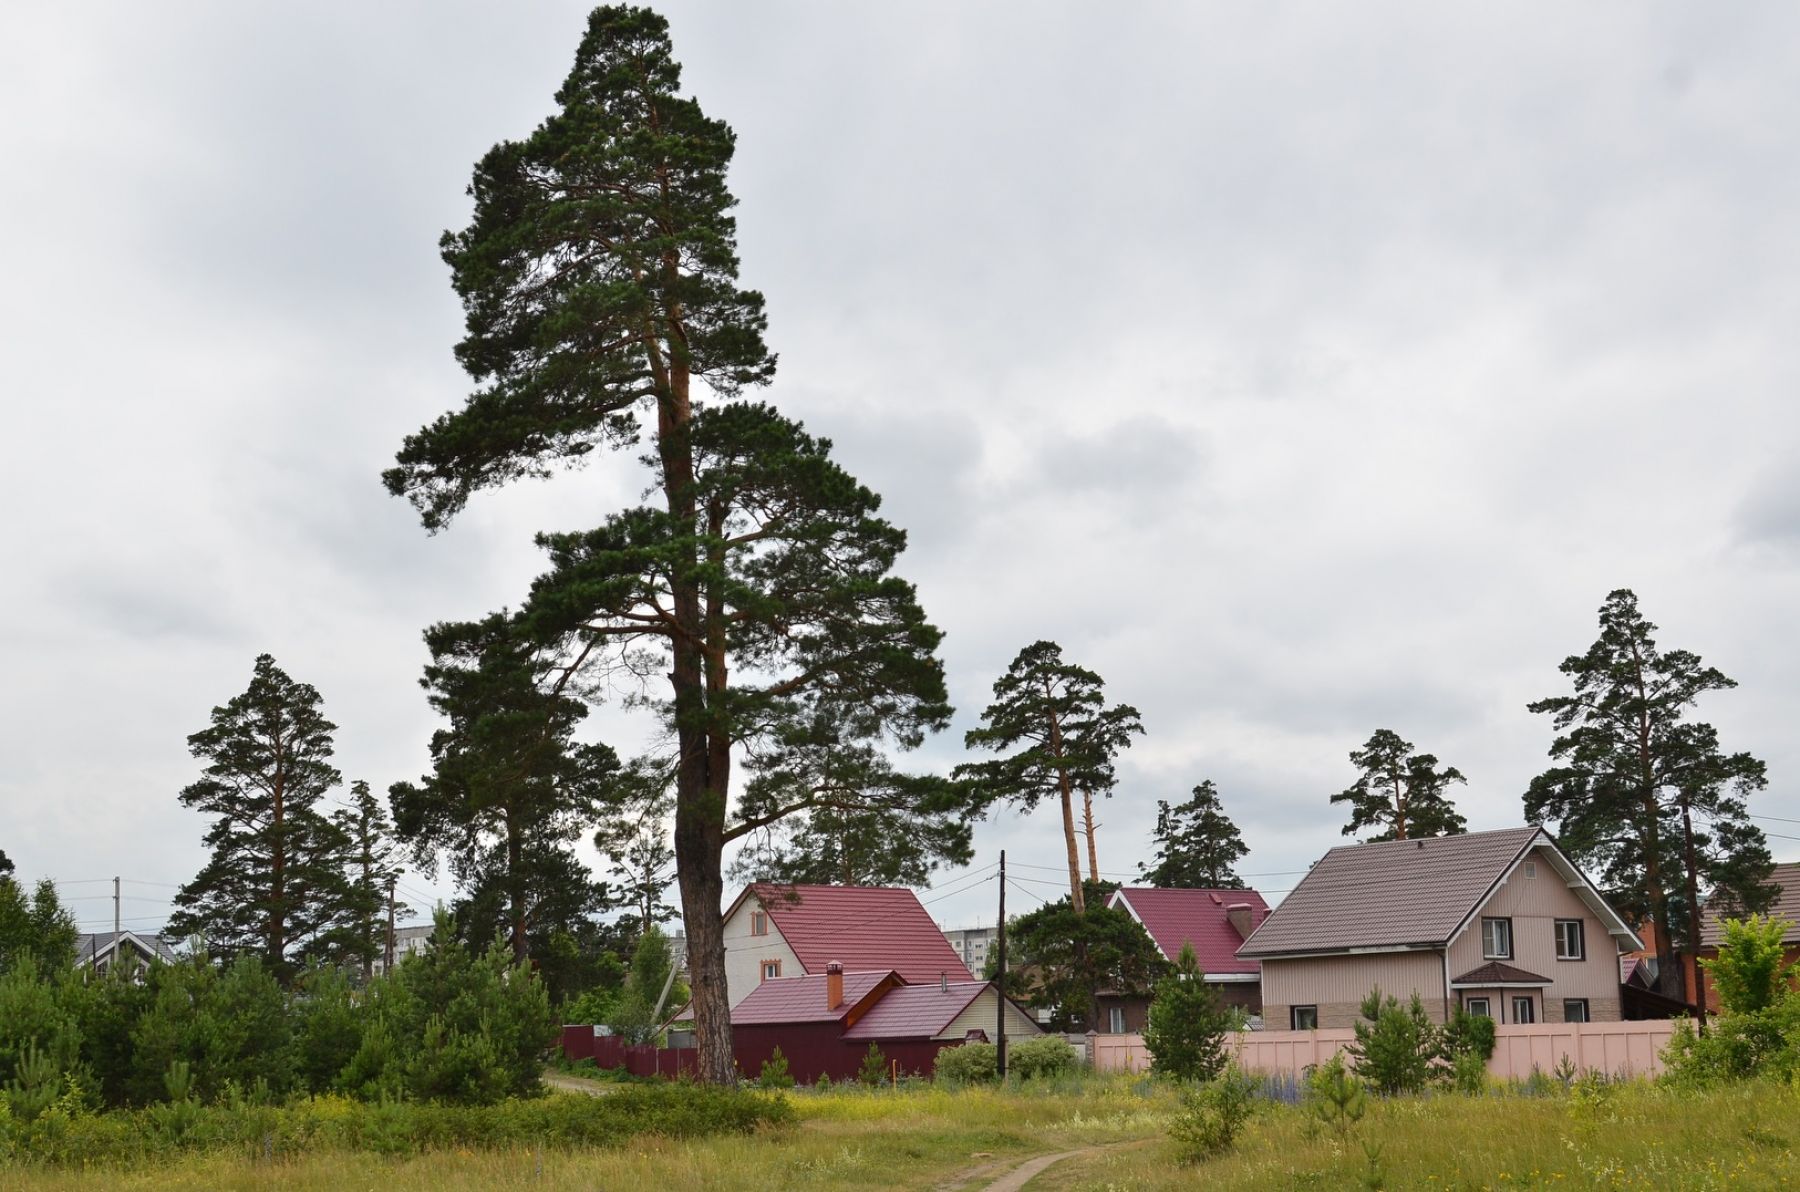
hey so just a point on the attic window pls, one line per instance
(759, 923)
(1531, 869)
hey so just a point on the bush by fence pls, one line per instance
(66, 1133)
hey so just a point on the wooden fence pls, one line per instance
(1613, 1048)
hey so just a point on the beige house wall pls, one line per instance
(1534, 904)
(745, 953)
(981, 1015)
(1337, 985)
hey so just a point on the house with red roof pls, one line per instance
(1215, 923)
(774, 932)
(824, 1023)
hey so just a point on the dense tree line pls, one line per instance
(448, 1025)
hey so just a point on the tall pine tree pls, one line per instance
(274, 885)
(1400, 794)
(1645, 795)
(599, 283)
(511, 791)
(1197, 845)
(1064, 739)
(371, 868)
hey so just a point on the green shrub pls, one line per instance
(1041, 1058)
(1394, 1045)
(874, 1067)
(1212, 1115)
(775, 1074)
(969, 1063)
(1335, 1098)
(1185, 1034)
(1751, 971)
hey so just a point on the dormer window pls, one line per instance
(759, 923)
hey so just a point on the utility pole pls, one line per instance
(1000, 980)
(387, 953)
(116, 920)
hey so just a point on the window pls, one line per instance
(1531, 869)
(1575, 1009)
(1480, 1007)
(1115, 1020)
(1496, 939)
(1524, 1010)
(1304, 1018)
(771, 969)
(1570, 943)
(759, 923)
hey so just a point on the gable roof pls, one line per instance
(1402, 894)
(865, 928)
(1496, 973)
(92, 947)
(916, 1011)
(1786, 906)
(1197, 917)
(802, 999)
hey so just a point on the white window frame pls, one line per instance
(1486, 1004)
(1580, 940)
(771, 969)
(1586, 1012)
(1530, 1015)
(1489, 947)
(1115, 1019)
(1294, 1017)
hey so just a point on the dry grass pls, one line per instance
(1624, 1138)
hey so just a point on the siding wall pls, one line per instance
(1338, 984)
(980, 1016)
(1534, 904)
(745, 953)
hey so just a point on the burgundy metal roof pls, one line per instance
(1197, 917)
(866, 928)
(915, 1011)
(1496, 973)
(802, 999)
(1393, 894)
(1787, 906)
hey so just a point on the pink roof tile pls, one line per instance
(1197, 917)
(802, 999)
(865, 928)
(915, 1011)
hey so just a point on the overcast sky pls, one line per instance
(1302, 369)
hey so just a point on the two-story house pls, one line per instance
(1500, 923)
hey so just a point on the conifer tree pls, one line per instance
(274, 884)
(1646, 795)
(635, 839)
(372, 866)
(6, 865)
(1065, 739)
(510, 793)
(1400, 793)
(1196, 845)
(37, 925)
(599, 283)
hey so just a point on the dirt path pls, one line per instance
(1016, 1178)
(1021, 1175)
(575, 1084)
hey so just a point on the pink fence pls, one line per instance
(1614, 1048)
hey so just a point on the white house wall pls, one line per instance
(980, 1016)
(746, 953)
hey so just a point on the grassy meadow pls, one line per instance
(1625, 1137)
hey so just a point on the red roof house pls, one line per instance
(776, 931)
(1215, 922)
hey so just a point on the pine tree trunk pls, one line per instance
(1087, 825)
(1691, 886)
(1068, 812)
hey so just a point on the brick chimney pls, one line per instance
(1238, 913)
(834, 985)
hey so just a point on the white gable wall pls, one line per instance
(980, 1016)
(746, 953)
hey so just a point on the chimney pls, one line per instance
(1238, 913)
(834, 985)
